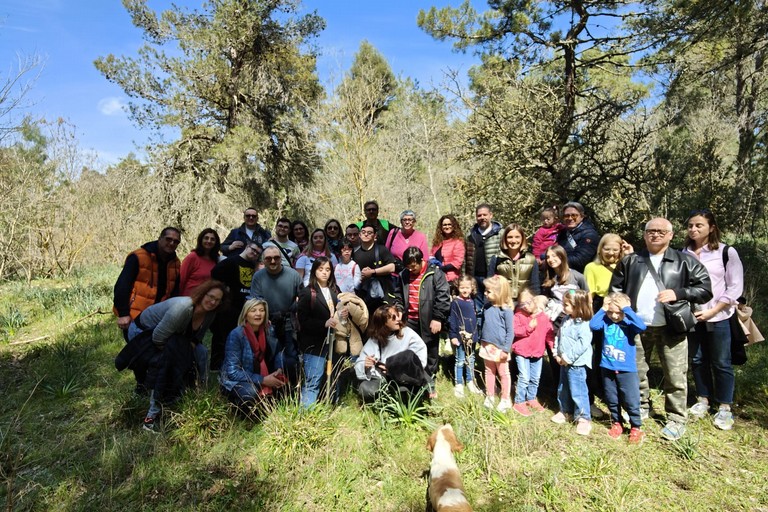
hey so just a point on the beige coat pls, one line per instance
(358, 314)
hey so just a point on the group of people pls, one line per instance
(286, 311)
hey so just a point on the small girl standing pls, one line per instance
(496, 341)
(533, 333)
(573, 349)
(347, 272)
(618, 367)
(462, 329)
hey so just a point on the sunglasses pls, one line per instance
(171, 240)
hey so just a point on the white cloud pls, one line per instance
(112, 106)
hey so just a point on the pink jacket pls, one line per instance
(544, 238)
(532, 342)
(453, 254)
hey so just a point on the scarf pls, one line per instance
(258, 343)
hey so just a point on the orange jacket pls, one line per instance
(144, 292)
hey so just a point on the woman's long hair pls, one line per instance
(310, 245)
(560, 274)
(249, 305)
(201, 251)
(206, 286)
(295, 223)
(339, 233)
(457, 232)
(377, 328)
(713, 240)
(606, 239)
(315, 265)
(503, 241)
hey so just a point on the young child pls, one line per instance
(347, 272)
(496, 341)
(533, 333)
(573, 349)
(618, 366)
(462, 329)
(546, 235)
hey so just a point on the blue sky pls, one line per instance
(70, 35)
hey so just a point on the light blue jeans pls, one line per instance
(465, 366)
(572, 393)
(528, 374)
(314, 371)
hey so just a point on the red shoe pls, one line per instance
(636, 436)
(521, 409)
(616, 430)
(534, 405)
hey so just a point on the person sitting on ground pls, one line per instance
(253, 366)
(393, 352)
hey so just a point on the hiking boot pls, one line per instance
(723, 419)
(615, 431)
(490, 402)
(596, 412)
(458, 390)
(700, 410)
(673, 431)
(504, 405)
(559, 418)
(522, 409)
(150, 425)
(583, 427)
(474, 389)
(636, 436)
(534, 405)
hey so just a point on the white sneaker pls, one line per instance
(490, 402)
(505, 405)
(458, 390)
(559, 418)
(474, 389)
(699, 410)
(723, 419)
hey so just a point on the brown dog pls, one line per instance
(445, 492)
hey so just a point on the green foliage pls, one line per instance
(202, 416)
(407, 411)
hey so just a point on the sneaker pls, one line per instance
(522, 409)
(583, 427)
(474, 389)
(458, 390)
(723, 419)
(673, 431)
(559, 418)
(615, 431)
(150, 425)
(636, 436)
(490, 402)
(700, 410)
(596, 412)
(644, 414)
(504, 405)
(534, 405)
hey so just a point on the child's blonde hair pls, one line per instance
(579, 300)
(500, 287)
(617, 295)
(541, 302)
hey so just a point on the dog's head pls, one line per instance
(445, 432)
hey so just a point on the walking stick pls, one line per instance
(329, 365)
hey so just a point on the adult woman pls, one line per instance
(334, 235)
(252, 365)
(198, 264)
(299, 234)
(316, 249)
(175, 328)
(389, 346)
(400, 240)
(448, 247)
(710, 343)
(515, 262)
(316, 314)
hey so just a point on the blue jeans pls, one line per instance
(314, 371)
(709, 346)
(465, 366)
(572, 393)
(622, 389)
(528, 374)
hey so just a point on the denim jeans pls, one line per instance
(528, 374)
(710, 349)
(572, 393)
(314, 371)
(465, 366)
(622, 389)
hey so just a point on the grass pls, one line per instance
(70, 439)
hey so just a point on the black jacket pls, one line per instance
(679, 272)
(434, 297)
(586, 238)
(312, 313)
(260, 235)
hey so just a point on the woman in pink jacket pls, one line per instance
(448, 249)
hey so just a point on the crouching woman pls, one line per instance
(253, 367)
(393, 353)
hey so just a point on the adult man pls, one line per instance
(382, 227)
(376, 264)
(482, 244)
(150, 275)
(236, 272)
(579, 238)
(288, 248)
(684, 278)
(400, 239)
(279, 286)
(353, 235)
(249, 231)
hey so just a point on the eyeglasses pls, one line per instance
(392, 316)
(408, 220)
(571, 215)
(332, 228)
(250, 215)
(366, 232)
(271, 258)
(656, 232)
(171, 240)
(212, 298)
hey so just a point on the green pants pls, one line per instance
(673, 354)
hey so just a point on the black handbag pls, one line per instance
(678, 314)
